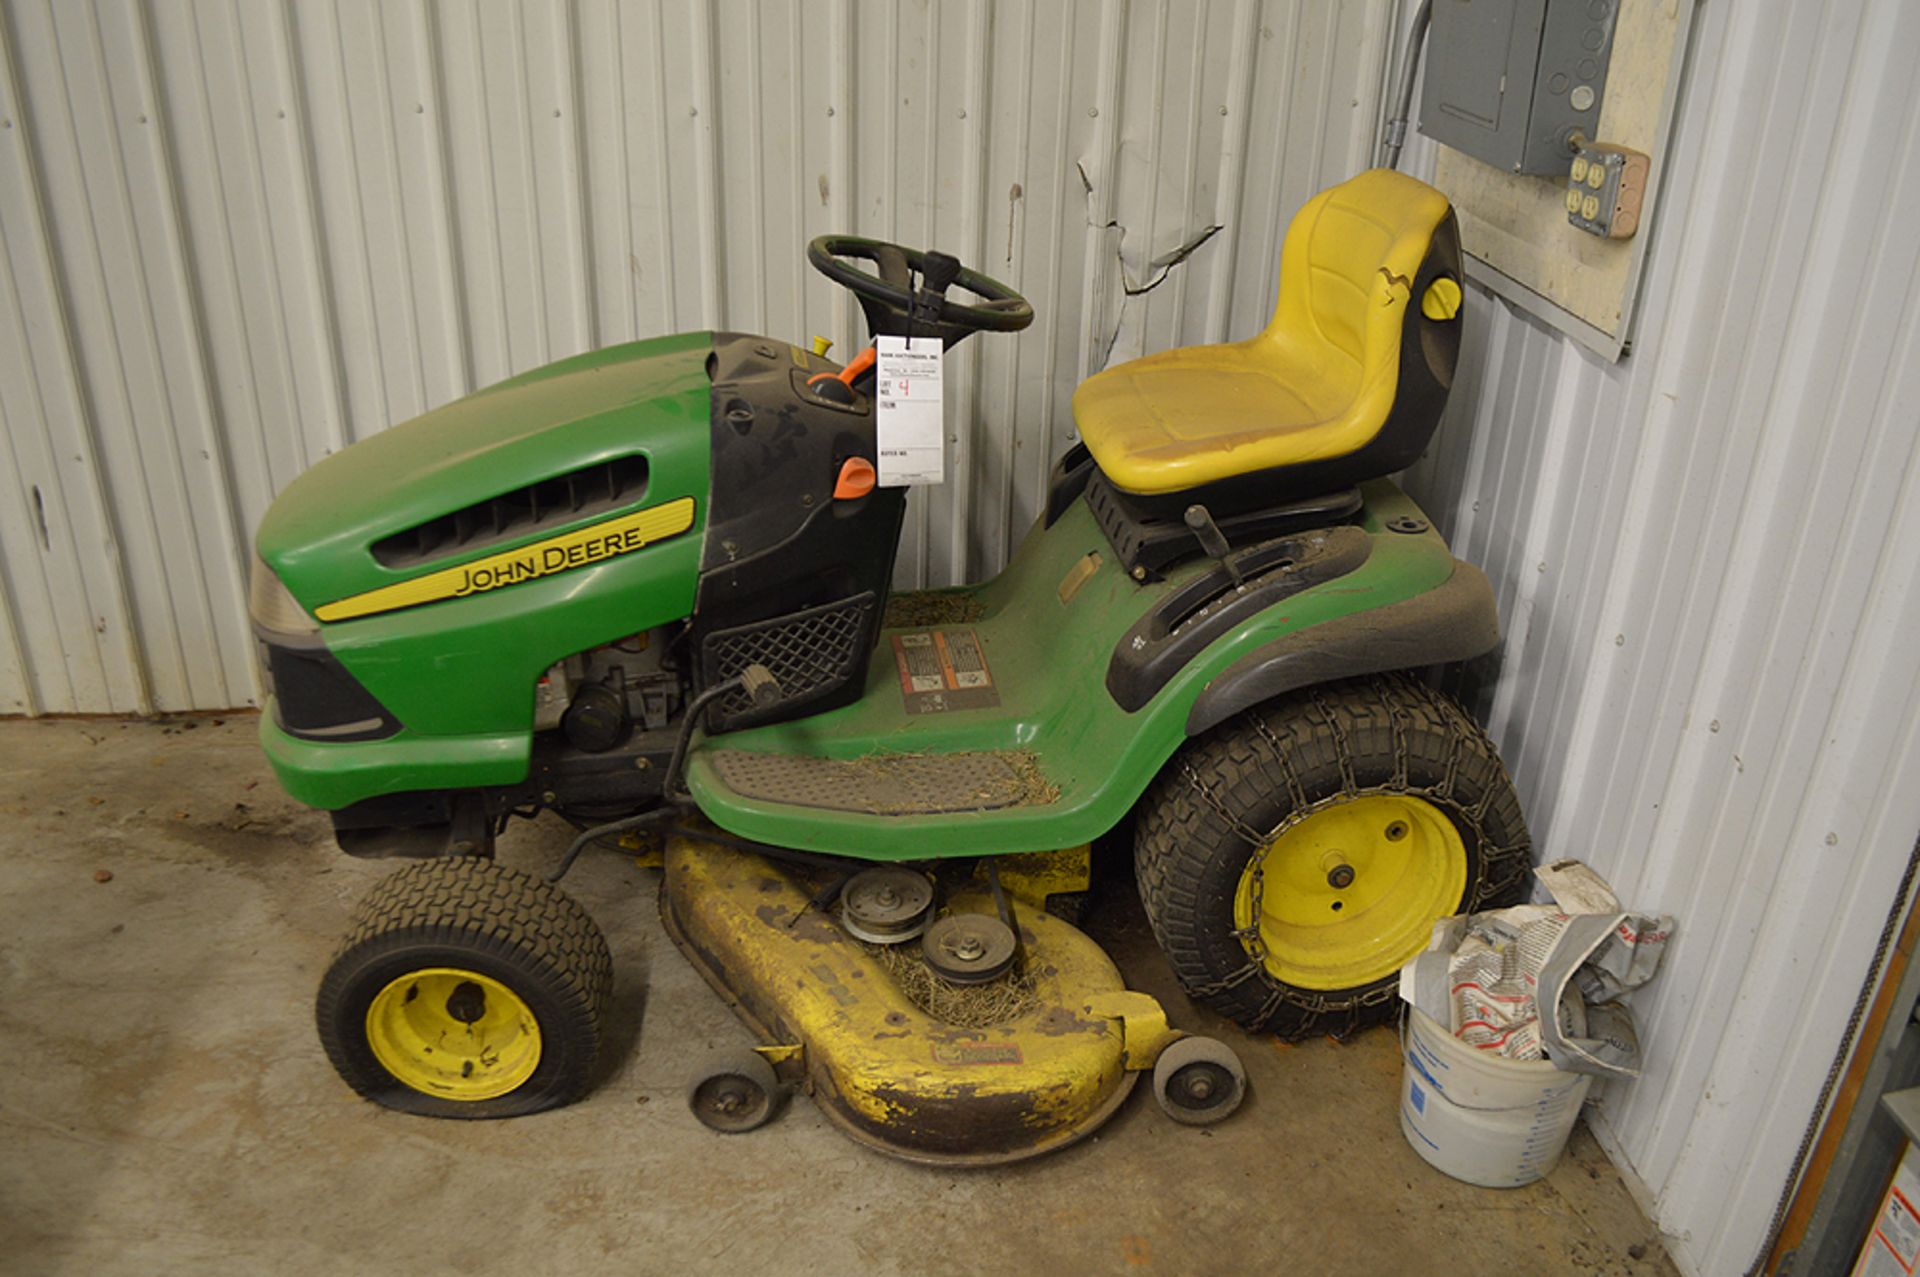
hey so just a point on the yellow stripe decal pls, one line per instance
(576, 549)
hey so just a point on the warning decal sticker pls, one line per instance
(943, 670)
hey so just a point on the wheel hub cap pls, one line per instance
(1200, 1086)
(1351, 891)
(454, 1033)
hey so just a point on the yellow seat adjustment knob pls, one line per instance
(1442, 299)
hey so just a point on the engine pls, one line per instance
(599, 698)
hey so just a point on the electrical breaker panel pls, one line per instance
(1513, 82)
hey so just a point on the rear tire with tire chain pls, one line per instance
(1227, 792)
(471, 914)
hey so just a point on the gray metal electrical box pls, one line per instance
(1510, 82)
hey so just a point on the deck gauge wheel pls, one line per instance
(736, 1093)
(1199, 1081)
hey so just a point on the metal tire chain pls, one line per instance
(1517, 857)
(1314, 1003)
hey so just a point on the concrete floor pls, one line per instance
(167, 1109)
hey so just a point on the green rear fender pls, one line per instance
(1050, 657)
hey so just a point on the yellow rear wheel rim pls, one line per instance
(454, 1033)
(1351, 891)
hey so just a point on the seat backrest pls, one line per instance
(1370, 296)
(1349, 262)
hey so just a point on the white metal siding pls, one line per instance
(237, 235)
(1707, 560)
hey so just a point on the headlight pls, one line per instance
(272, 607)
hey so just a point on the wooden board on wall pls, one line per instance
(1518, 225)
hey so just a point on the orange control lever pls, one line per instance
(861, 362)
(857, 478)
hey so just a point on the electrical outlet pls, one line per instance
(1605, 189)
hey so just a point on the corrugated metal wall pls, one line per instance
(1708, 563)
(238, 235)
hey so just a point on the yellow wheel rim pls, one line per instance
(455, 1033)
(1351, 891)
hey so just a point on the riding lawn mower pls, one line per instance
(647, 589)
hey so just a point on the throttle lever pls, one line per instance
(1214, 542)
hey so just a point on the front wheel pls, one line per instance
(466, 989)
(1292, 859)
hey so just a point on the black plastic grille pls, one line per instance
(810, 653)
(548, 503)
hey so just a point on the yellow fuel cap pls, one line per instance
(1441, 300)
(821, 345)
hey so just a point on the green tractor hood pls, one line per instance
(644, 404)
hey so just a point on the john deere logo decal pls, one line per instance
(591, 544)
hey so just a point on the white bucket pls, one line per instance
(1480, 1118)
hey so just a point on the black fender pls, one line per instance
(1455, 621)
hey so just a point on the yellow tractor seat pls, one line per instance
(1346, 383)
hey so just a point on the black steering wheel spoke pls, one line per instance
(894, 270)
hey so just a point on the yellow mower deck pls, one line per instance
(890, 1074)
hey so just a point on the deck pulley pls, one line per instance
(969, 948)
(886, 906)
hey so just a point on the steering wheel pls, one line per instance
(894, 306)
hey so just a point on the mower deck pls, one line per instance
(835, 1019)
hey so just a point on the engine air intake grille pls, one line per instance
(812, 654)
(605, 485)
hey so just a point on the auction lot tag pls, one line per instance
(911, 430)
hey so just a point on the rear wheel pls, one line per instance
(466, 989)
(1295, 857)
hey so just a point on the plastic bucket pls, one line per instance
(1480, 1118)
